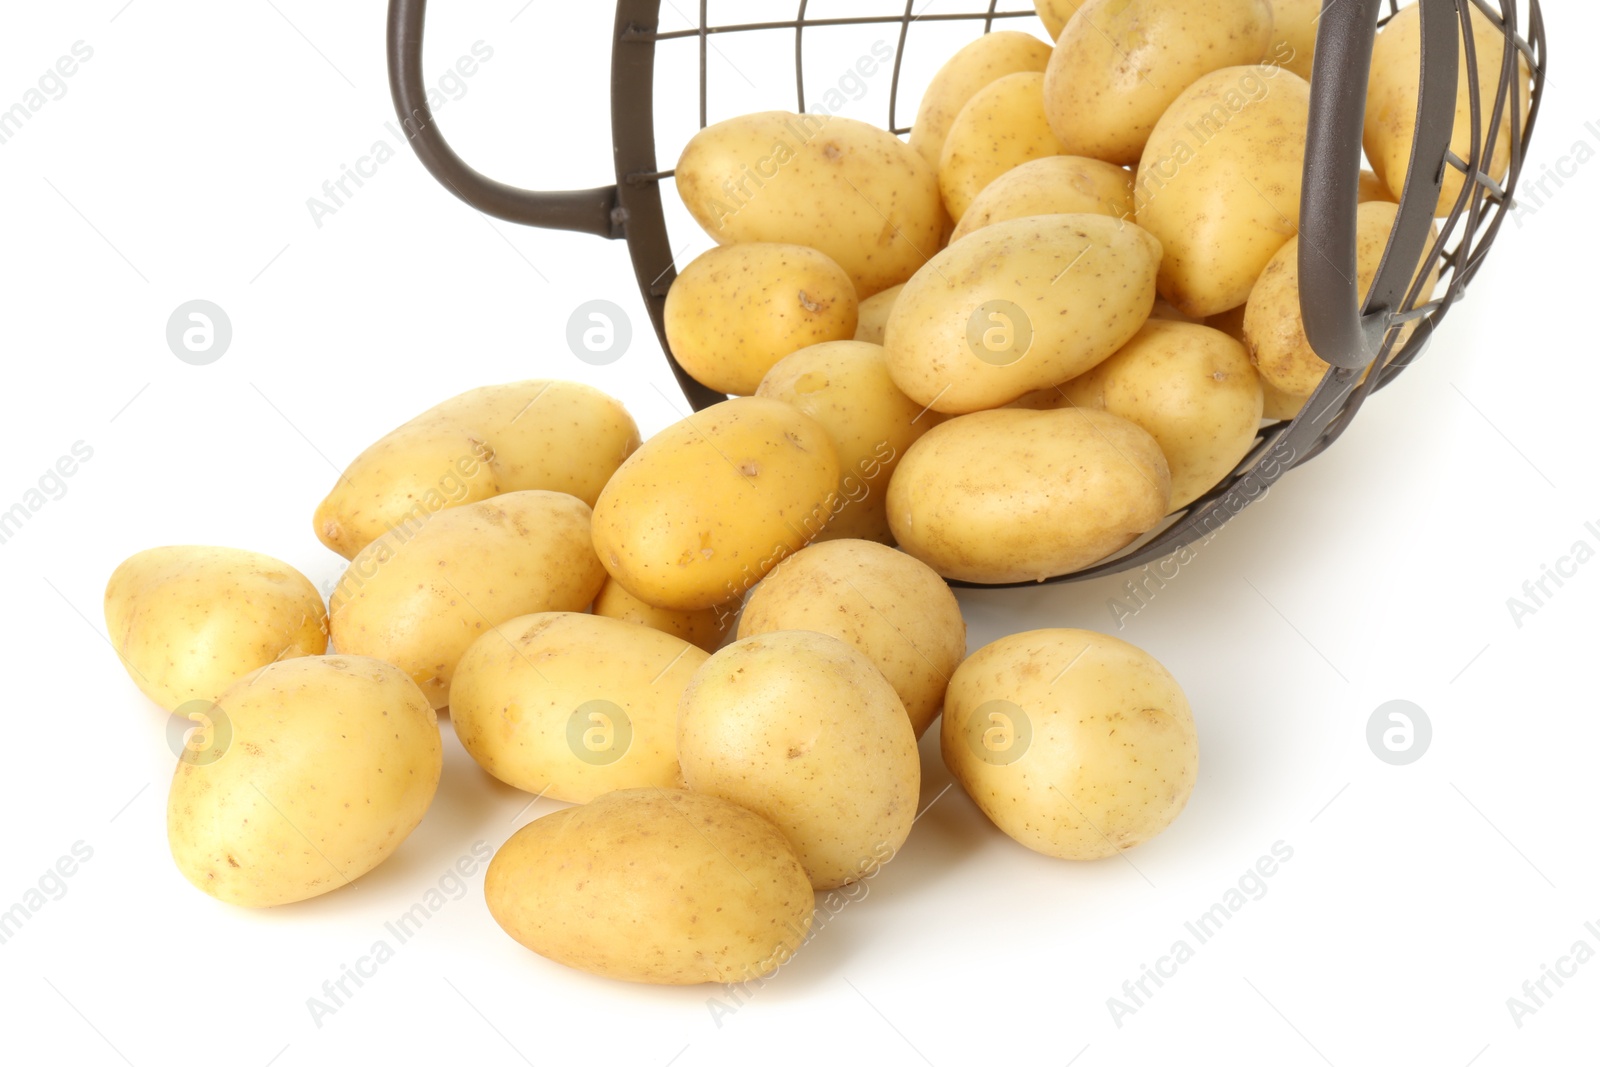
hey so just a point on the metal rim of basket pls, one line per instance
(632, 210)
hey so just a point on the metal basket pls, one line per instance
(1343, 332)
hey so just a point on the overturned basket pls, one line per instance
(1343, 333)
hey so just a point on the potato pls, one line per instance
(1119, 64)
(1001, 127)
(886, 605)
(707, 506)
(571, 706)
(1190, 387)
(737, 310)
(801, 728)
(1073, 743)
(1294, 34)
(1019, 496)
(702, 629)
(1371, 187)
(845, 386)
(1018, 306)
(990, 57)
(419, 601)
(562, 436)
(854, 192)
(1273, 327)
(187, 621)
(874, 314)
(1055, 185)
(1277, 406)
(1219, 183)
(1393, 89)
(675, 889)
(315, 770)
(1055, 14)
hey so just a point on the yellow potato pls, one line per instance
(1019, 306)
(1190, 387)
(737, 310)
(1277, 406)
(419, 601)
(801, 728)
(187, 621)
(1274, 330)
(1294, 34)
(1219, 184)
(710, 504)
(1394, 87)
(571, 706)
(1019, 496)
(990, 57)
(1073, 743)
(1119, 64)
(874, 314)
(676, 889)
(562, 436)
(1001, 127)
(1055, 185)
(313, 772)
(702, 629)
(1055, 14)
(1372, 188)
(890, 607)
(845, 386)
(854, 192)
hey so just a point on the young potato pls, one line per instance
(1019, 306)
(1371, 187)
(1273, 327)
(890, 607)
(874, 315)
(854, 192)
(1190, 387)
(1219, 184)
(702, 629)
(1020, 496)
(419, 601)
(571, 706)
(187, 621)
(1294, 34)
(1054, 185)
(990, 57)
(1073, 743)
(1055, 14)
(1277, 405)
(1119, 64)
(707, 506)
(1001, 127)
(562, 436)
(316, 770)
(738, 309)
(1395, 85)
(845, 386)
(801, 728)
(676, 889)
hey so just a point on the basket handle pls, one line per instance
(1345, 328)
(593, 211)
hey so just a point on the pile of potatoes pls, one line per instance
(983, 355)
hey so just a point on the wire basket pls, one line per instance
(1345, 333)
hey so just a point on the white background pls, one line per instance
(178, 166)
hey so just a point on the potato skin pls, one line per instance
(1073, 743)
(980, 63)
(331, 762)
(887, 605)
(1294, 34)
(572, 706)
(801, 728)
(1119, 64)
(1001, 127)
(1055, 14)
(1019, 496)
(1074, 287)
(653, 885)
(873, 315)
(852, 191)
(1222, 206)
(710, 504)
(419, 601)
(1054, 185)
(187, 621)
(738, 309)
(562, 436)
(703, 629)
